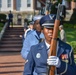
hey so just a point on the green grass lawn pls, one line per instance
(71, 37)
(75, 60)
(70, 34)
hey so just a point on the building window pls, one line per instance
(0, 3)
(38, 4)
(9, 3)
(28, 3)
(19, 3)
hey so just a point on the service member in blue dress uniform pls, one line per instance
(33, 38)
(10, 19)
(38, 55)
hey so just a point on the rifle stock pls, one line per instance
(54, 45)
(54, 38)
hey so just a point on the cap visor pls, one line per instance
(48, 25)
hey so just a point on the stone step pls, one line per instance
(11, 36)
(13, 33)
(13, 42)
(10, 49)
(11, 39)
(11, 63)
(5, 45)
(11, 46)
(15, 28)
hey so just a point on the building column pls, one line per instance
(73, 5)
(14, 4)
(34, 7)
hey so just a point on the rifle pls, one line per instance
(54, 39)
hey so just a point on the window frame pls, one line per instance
(8, 3)
(28, 3)
(0, 3)
(19, 3)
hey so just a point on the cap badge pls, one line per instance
(51, 17)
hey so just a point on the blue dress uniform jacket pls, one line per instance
(37, 58)
(31, 39)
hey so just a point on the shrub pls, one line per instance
(74, 0)
(75, 26)
(73, 44)
(53, 8)
(68, 25)
(28, 22)
(1, 26)
(2, 18)
(73, 17)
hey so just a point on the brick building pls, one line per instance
(24, 8)
(20, 5)
(20, 8)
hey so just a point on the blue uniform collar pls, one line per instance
(38, 33)
(60, 47)
(35, 33)
(42, 45)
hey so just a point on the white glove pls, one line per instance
(53, 61)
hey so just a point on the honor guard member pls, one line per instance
(29, 30)
(23, 36)
(38, 55)
(33, 38)
(10, 19)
